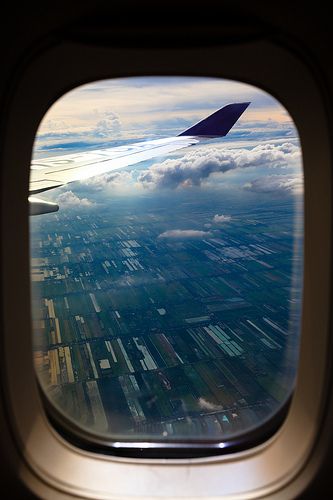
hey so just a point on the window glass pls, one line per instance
(166, 292)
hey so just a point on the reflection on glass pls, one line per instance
(166, 296)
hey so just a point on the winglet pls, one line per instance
(219, 123)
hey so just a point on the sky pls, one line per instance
(261, 154)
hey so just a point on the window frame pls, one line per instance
(49, 462)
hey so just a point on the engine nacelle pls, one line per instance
(38, 206)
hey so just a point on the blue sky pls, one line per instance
(260, 154)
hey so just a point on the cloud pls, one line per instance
(208, 405)
(115, 179)
(277, 184)
(221, 218)
(108, 126)
(185, 234)
(56, 125)
(68, 198)
(197, 165)
(99, 127)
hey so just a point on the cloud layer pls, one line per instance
(196, 166)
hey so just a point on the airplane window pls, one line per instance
(166, 236)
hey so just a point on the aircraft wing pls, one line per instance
(53, 172)
(49, 173)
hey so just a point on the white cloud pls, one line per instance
(56, 126)
(109, 126)
(208, 405)
(185, 233)
(277, 184)
(115, 179)
(68, 198)
(196, 166)
(221, 218)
